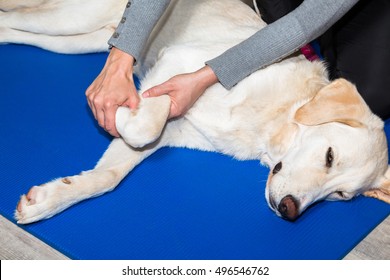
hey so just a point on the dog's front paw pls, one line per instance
(144, 125)
(42, 202)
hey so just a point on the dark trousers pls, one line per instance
(357, 47)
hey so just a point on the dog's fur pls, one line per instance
(318, 137)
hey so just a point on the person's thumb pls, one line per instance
(156, 91)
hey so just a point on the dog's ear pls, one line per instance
(382, 191)
(337, 102)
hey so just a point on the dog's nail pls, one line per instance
(29, 194)
(31, 202)
(19, 206)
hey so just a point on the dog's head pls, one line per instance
(339, 152)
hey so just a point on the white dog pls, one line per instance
(319, 138)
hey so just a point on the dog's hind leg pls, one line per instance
(35, 19)
(8, 5)
(44, 201)
(82, 43)
(62, 17)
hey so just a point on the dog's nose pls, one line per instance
(288, 208)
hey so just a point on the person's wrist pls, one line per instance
(206, 77)
(117, 54)
(120, 61)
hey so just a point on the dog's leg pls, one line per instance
(8, 5)
(44, 201)
(35, 19)
(144, 125)
(82, 43)
(61, 18)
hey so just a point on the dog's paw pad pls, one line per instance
(46, 200)
(22, 202)
(23, 209)
(33, 206)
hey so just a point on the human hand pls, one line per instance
(184, 89)
(113, 87)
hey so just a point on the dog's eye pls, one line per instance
(329, 157)
(277, 168)
(345, 195)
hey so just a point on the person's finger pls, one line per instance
(97, 102)
(91, 106)
(90, 94)
(157, 90)
(132, 101)
(109, 121)
(100, 118)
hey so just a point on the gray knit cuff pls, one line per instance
(138, 21)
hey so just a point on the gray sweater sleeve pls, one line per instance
(278, 40)
(139, 18)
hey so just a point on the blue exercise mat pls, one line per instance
(177, 204)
